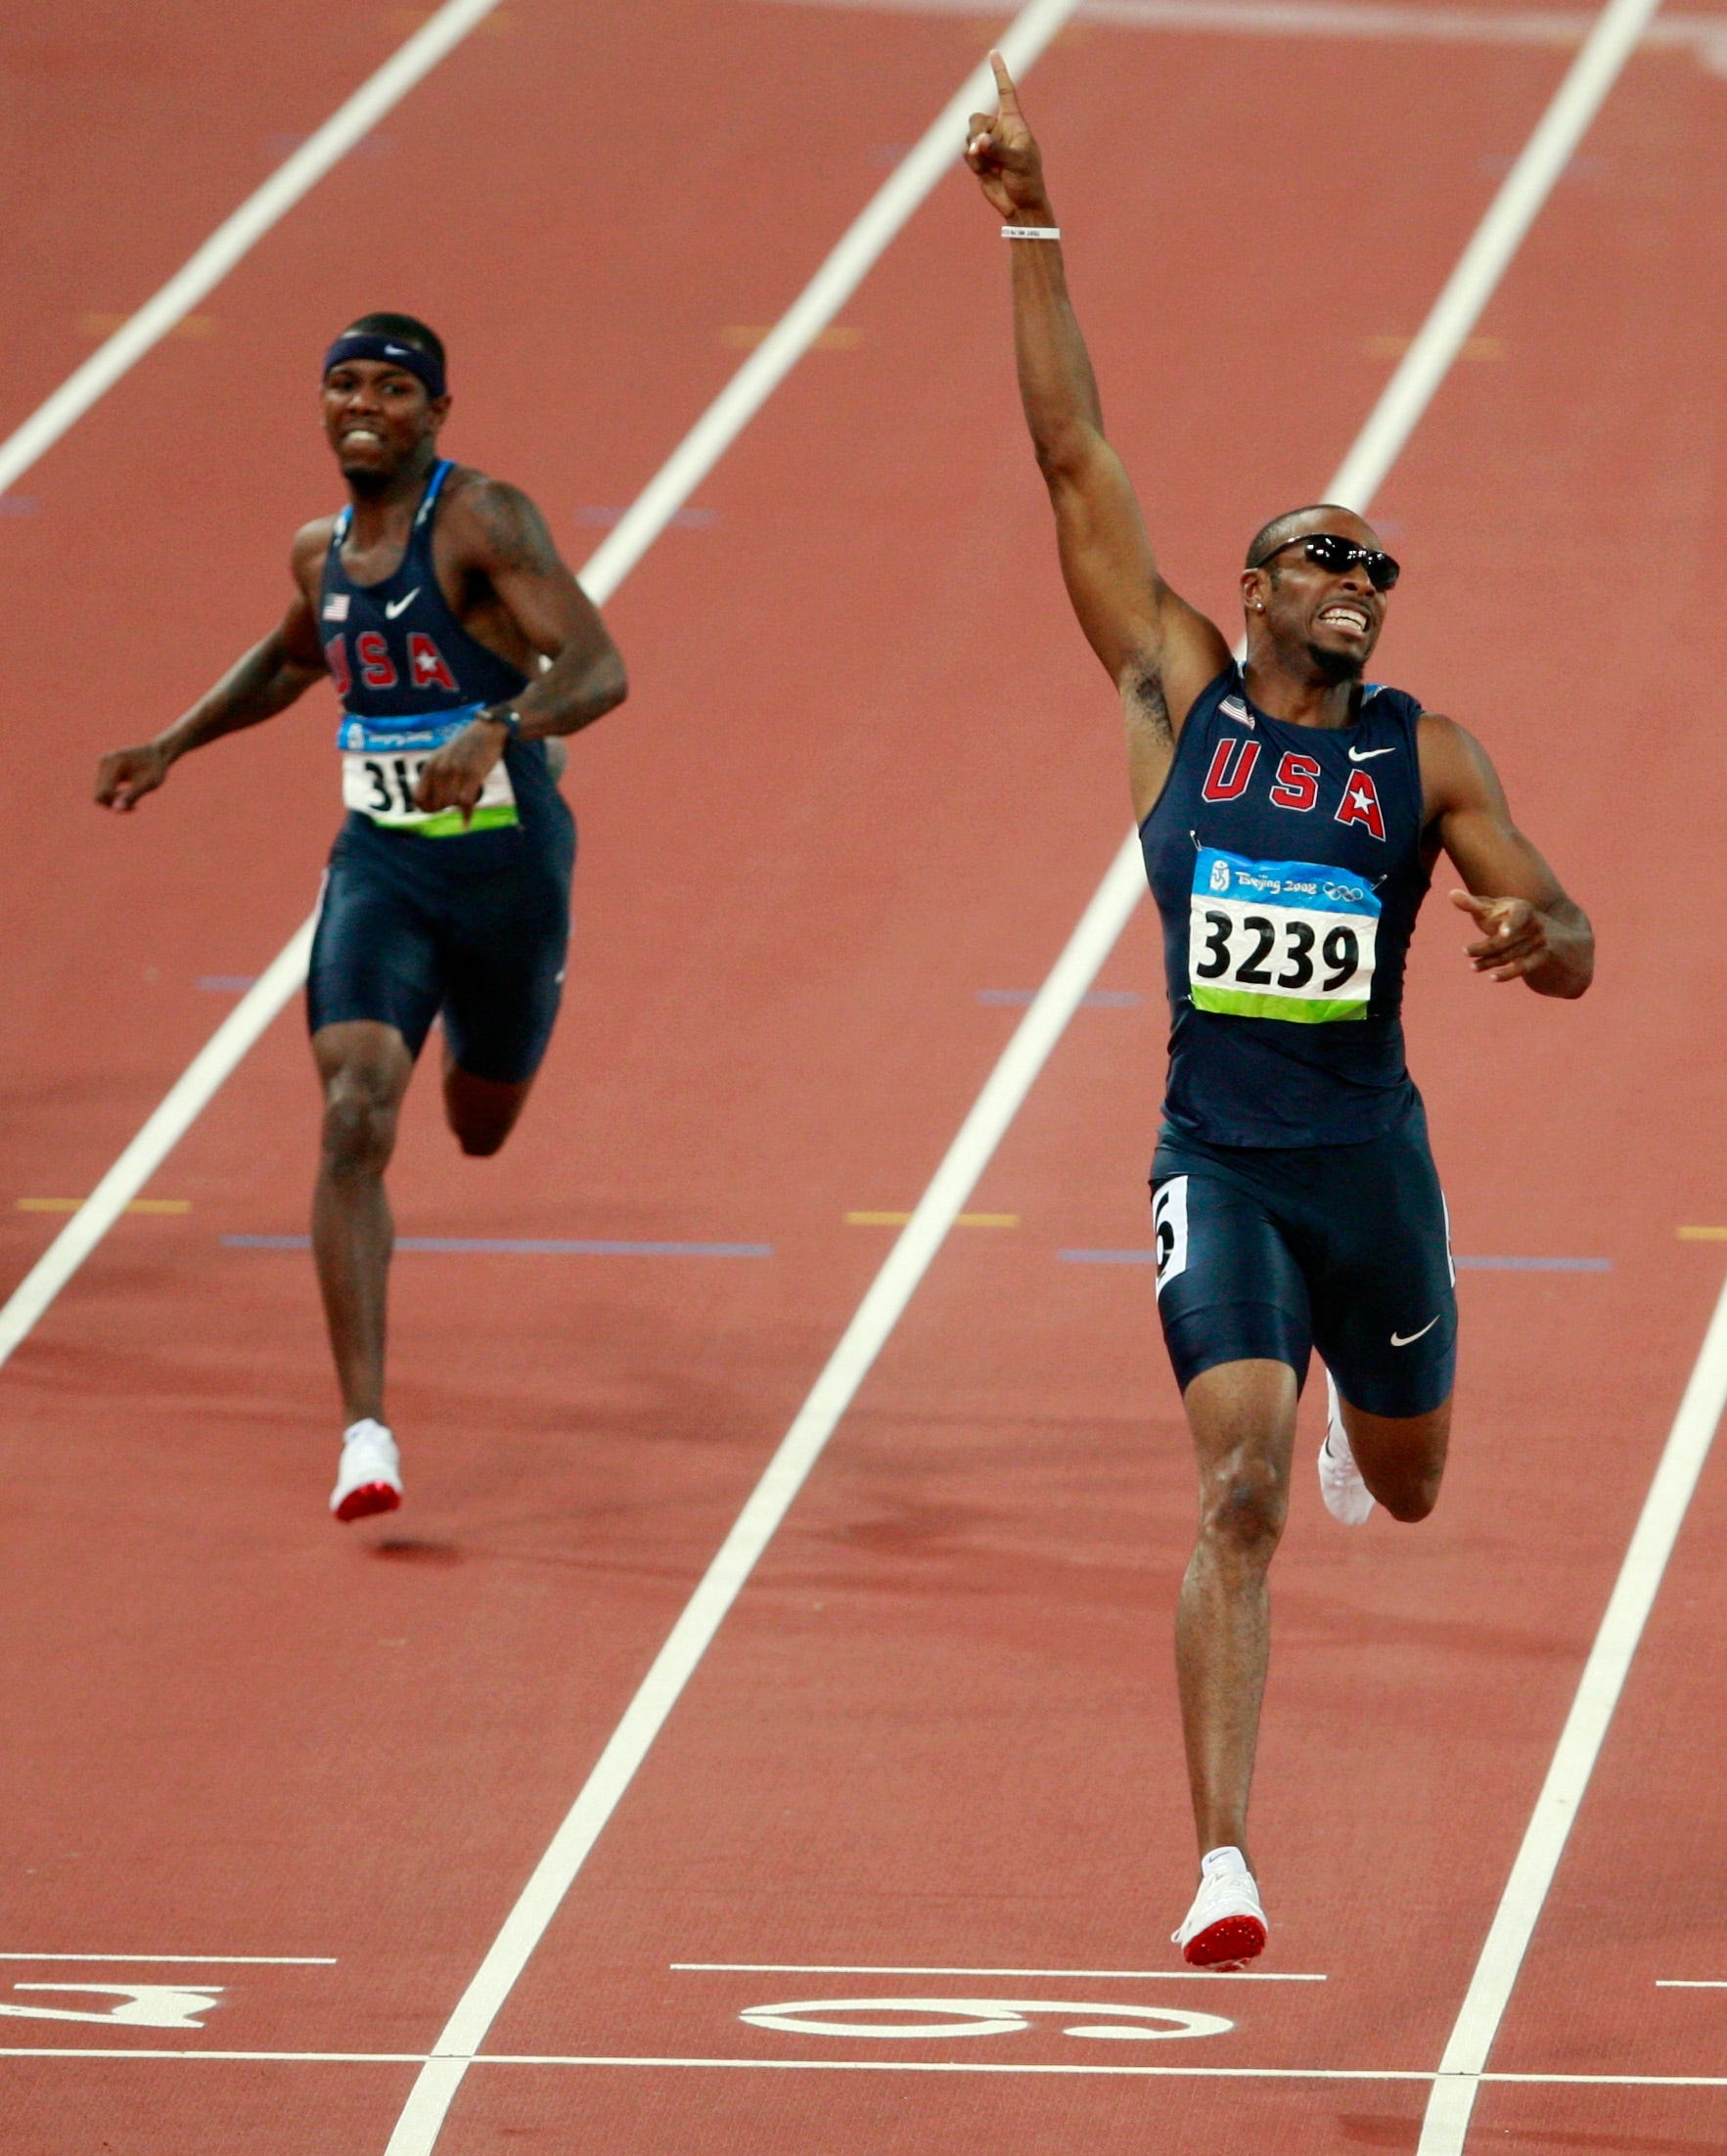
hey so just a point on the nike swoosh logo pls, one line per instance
(1366, 755)
(1405, 1339)
(394, 607)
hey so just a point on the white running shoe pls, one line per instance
(1226, 1928)
(370, 1476)
(1346, 1496)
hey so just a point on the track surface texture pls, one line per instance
(865, 776)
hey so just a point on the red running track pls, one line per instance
(866, 772)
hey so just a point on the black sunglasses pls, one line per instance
(1325, 550)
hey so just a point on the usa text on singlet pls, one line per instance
(410, 677)
(1288, 866)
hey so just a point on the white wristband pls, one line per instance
(1032, 231)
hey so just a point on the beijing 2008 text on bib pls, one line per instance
(1280, 940)
(381, 767)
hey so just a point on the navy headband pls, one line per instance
(411, 358)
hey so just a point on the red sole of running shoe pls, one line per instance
(369, 1498)
(1226, 1945)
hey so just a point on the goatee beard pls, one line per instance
(1336, 666)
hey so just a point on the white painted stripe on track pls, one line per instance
(1402, 403)
(184, 1100)
(227, 246)
(233, 239)
(1483, 262)
(855, 2066)
(196, 1960)
(1368, 21)
(1114, 1976)
(1445, 2126)
(714, 433)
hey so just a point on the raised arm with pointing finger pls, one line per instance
(1290, 814)
(1157, 650)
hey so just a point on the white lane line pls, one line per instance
(1445, 2126)
(1691, 1984)
(1116, 1976)
(180, 1108)
(1483, 262)
(194, 1960)
(1704, 36)
(861, 2066)
(1404, 399)
(647, 517)
(233, 239)
(933, 157)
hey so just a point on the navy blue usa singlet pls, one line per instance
(1288, 866)
(410, 676)
(422, 914)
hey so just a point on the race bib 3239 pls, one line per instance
(1280, 940)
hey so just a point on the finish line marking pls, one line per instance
(860, 2066)
(1463, 1265)
(1089, 1976)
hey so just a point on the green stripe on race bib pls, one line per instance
(1243, 1003)
(448, 823)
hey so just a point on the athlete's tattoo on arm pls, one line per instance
(519, 561)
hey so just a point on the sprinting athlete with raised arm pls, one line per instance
(460, 645)
(1291, 814)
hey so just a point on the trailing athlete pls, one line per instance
(1290, 815)
(460, 646)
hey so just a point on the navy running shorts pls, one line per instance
(407, 929)
(1273, 1252)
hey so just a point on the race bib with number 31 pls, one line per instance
(1280, 940)
(380, 769)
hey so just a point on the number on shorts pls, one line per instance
(1169, 1230)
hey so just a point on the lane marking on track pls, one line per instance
(524, 1246)
(1138, 1256)
(1445, 2126)
(1363, 2074)
(960, 1220)
(659, 502)
(163, 1205)
(85, 387)
(161, 315)
(934, 157)
(1703, 1235)
(1088, 1976)
(975, 2018)
(1691, 1983)
(1094, 999)
(1703, 35)
(1401, 404)
(190, 1960)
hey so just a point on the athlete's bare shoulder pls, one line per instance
(305, 557)
(491, 524)
(1455, 769)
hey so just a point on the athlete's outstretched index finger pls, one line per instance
(1004, 83)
